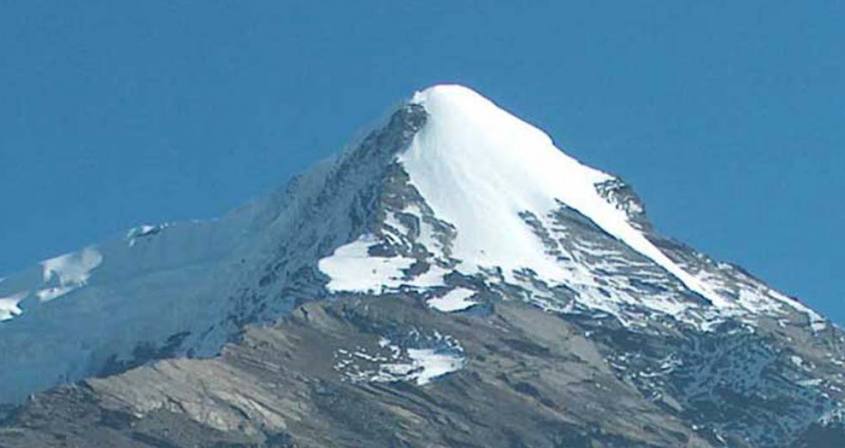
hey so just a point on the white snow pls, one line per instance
(817, 322)
(60, 275)
(351, 268)
(454, 300)
(393, 363)
(144, 230)
(759, 299)
(478, 167)
(74, 267)
(815, 382)
(428, 364)
(9, 305)
(70, 271)
(48, 294)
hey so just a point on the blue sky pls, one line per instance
(726, 116)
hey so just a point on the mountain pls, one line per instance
(452, 279)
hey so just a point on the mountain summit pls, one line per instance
(453, 279)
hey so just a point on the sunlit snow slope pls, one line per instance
(479, 167)
(486, 172)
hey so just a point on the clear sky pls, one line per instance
(726, 116)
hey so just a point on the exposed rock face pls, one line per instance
(364, 305)
(528, 378)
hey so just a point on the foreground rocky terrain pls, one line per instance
(451, 280)
(526, 378)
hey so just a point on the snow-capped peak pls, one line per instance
(480, 167)
(454, 200)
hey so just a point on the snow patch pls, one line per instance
(429, 364)
(454, 300)
(72, 268)
(817, 322)
(351, 268)
(48, 294)
(394, 361)
(144, 230)
(9, 305)
(70, 271)
(815, 382)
